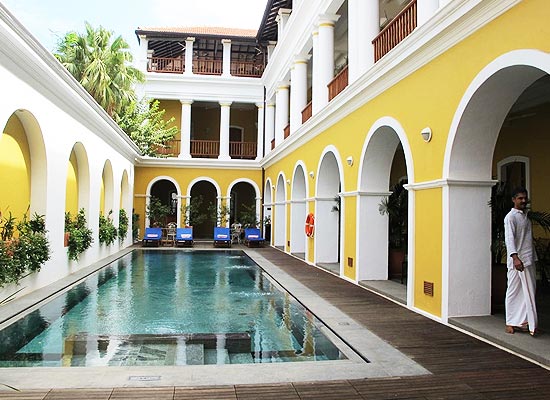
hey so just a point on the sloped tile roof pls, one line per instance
(202, 30)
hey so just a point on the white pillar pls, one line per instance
(189, 55)
(325, 59)
(224, 130)
(425, 10)
(315, 76)
(443, 3)
(185, 135)
(298, 91)
(270, 49)
(281, 112)
(269, 123)
(260, 140)
(282, 18)
(143, 61)
(363, 27)
(226, 57)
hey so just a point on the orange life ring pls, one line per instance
(310, 225)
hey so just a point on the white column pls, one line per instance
(224, 130)
(143, 60)
(269, 123)
(363, 27)
(282, 18)
(315, 76)
(298, 91)
(185, 135)
(270, 49)
(425, 10)
(443, 3)
(325, 59)
(281, 112)
(226, 57)
(189, 55)
(260, 140)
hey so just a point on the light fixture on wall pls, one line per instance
(288, 181)
(426, 134)
(311, 174)
(349, 160)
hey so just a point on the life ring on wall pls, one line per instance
(310, 225)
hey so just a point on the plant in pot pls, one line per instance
(247, 216)
(79, 235)
(122, 225)
(156, 212)
(267, 228)
(107, 230)
(396, 207)
(192, 213)
(219, 215)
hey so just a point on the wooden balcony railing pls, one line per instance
(164, 64)
(171, 149)
(338, 84)
(272, 144)
(397, 30)
(242, 150)
(286, 131)
(205, 148)
(207, 67)
(307, 112)
(246, 68)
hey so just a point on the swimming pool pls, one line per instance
(169, 308)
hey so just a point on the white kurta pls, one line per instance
(520, 294)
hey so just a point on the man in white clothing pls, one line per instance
(521, 311)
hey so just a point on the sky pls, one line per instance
(49, 20)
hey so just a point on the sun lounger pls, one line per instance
(152, 236)
(184, 237)
(253, 237)
(222, 237)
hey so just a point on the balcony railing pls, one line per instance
(164, 64)
(286, 131)
(171, 149)
(397, 30)
(207, 67)
(242, 150)
(338, 84)
(272, 144)
(205, 148)
(246, 68)
(307, 112)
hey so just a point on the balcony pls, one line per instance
(164, 64)
(397, 30)
(243, 150)
(171, 149)
(307, 112)
(247, 68)
(207, 67)
(338, 84)
(211, 149)
(204, 67)
(286, 131)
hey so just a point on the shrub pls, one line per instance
(122, 224)
(107, 230)
(80, 236)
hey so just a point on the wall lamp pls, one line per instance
(349, 161)
(426, 134)
(288, 181)
(311, 174)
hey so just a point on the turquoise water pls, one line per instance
(169, 308)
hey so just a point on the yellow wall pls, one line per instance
(245, 119)
(71, 187)
(15, 168)
(173, 109)
(102, 195)
(206, 122)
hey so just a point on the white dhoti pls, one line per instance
(520, 298)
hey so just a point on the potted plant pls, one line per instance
(267, 228)
(79, 235)
(107, 230)
(219, 215)
(157, 212)
(247, 216)
(192, 213)
(396, 207)
(122, 224)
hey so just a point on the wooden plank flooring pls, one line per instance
(461, 366)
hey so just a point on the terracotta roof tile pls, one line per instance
(203, 30)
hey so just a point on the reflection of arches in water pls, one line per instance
(467, 169)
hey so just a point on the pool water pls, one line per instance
(169, 308)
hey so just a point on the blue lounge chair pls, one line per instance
(222, 236)
(184, 237)
(152, 236)
(253, 237)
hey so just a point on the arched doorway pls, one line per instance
(501, 115)
(268, 204)
(243, 207)
(328, 212)
(167, 194)
(385, 165)
(298, 211)
(206, 193)
(280, 214)
(107, 190)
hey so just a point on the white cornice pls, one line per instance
(449, 26)
(26, 58)
(206, 163)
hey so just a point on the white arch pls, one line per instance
(373, 181)
(83, 178)
(268, 211)
(207, 179)
(329, 232)
(108, 186)
(268, 187)
(280, 237)
(298, 209)
(467, 180)
(148, 194)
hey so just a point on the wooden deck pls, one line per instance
(461, 366)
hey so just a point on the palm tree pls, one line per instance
(102, 66)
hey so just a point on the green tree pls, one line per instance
(144, 122)
(102, 65)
